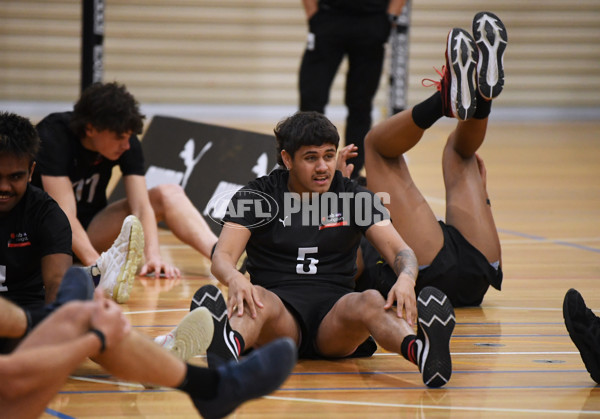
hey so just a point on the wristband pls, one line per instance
(101, 337)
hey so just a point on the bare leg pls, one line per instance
(466, 194)
(106, 225)
(171, 205)
(13, 321)
(387, 172)
(272, 321)
(56, 347)
(356, 316)
(137, 358)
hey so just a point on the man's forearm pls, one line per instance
(82, 246)
(406, 262)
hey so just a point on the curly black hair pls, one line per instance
(18, 136)
(107, 106)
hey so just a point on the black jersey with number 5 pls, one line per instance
(302, 240)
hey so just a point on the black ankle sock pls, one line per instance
(200, 383)
(484, 107)
(426, 113)
(35, 317)
(410, 349)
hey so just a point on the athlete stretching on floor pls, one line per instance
(301, 261)
(79, 150)
(461, 256)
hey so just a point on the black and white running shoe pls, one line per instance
(436, 323)
(225, 346)
(491, 38)
(458, 82)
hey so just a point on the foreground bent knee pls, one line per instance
(369, 140)
(371, 296)
(370, 301)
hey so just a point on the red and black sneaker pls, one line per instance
(457, 84)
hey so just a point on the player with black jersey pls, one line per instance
(461, 256)
(301, 227)
(35, 237)
(35, 229)
(79, 150)
(63, 154)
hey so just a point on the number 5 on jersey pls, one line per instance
(307, 265)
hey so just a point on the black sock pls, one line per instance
(410, 349)
(426, 113)
(199, 382)
(35, 316)
(484, 107)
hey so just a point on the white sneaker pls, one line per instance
(192, 335)
(119, 264)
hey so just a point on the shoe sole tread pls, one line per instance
(128, 271)
(436, 320)
(462, 65)
(491, 38)
(193, 334)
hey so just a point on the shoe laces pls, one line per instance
(166, 341)
(436, 83)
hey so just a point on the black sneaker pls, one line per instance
(224, 346)
(584, 329)
(258, 374)
(491, 38)
(436, 323)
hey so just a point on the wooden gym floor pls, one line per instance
(512, 356)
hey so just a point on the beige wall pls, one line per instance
(247, 52)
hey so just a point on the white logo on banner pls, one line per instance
(260, 168)
(217, 204)
(160, 175)
(187, 155)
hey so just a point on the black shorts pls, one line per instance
(459, 270)
(309, 305)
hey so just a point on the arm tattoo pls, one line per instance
(406, 262)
